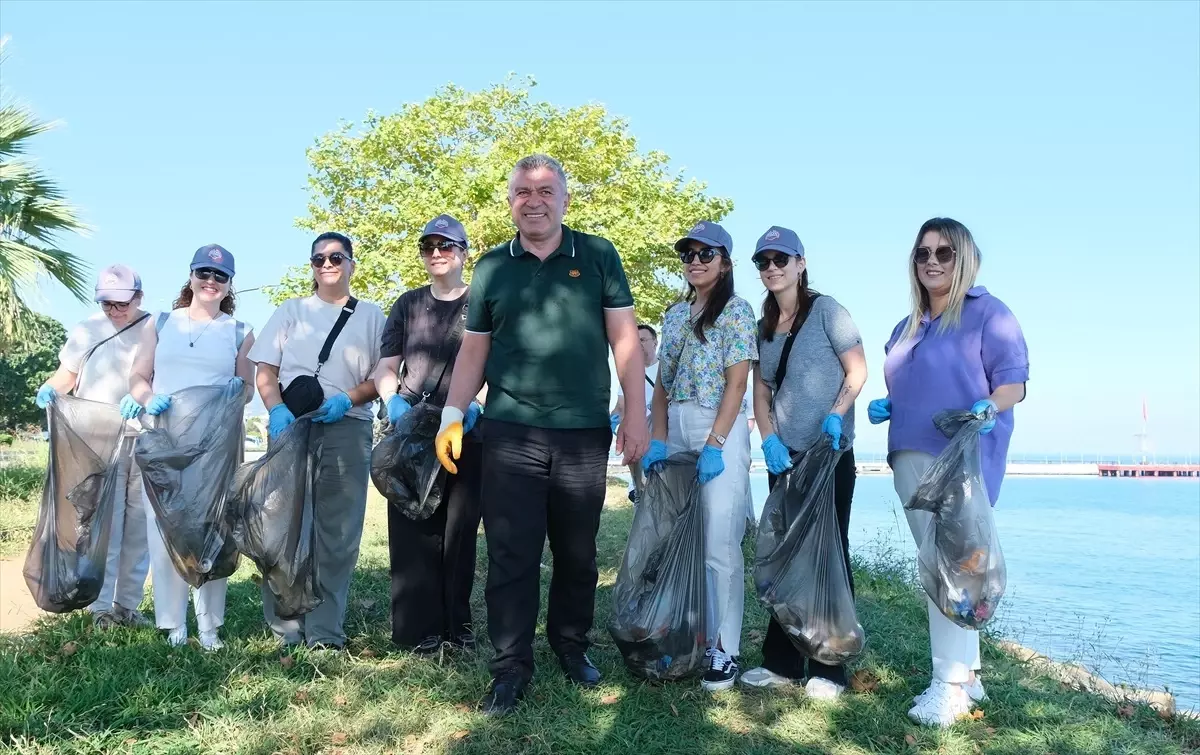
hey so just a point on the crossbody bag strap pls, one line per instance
(327, 348)
(88, 354)
(452, 342)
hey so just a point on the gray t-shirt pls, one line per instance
(814, 373)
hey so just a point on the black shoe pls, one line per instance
(579, 669)
(428, 646)
(634, 497)
(722, 671)
(507, 690)
(465, 640)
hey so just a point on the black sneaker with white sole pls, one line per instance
(722, 671)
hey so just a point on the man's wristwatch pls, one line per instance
(720, 439)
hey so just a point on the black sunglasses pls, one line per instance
(116, 306)
(337, 258)
(706, 255)
(763, 261)
(943, 253)
(427, 247)
(207, 273)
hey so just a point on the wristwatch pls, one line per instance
(720, 439)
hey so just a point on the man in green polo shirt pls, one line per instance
(543, 311)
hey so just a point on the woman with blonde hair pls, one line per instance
(959, 348)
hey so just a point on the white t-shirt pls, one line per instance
(292, 340)
(651, 378)
(190, 353)
(105, 375)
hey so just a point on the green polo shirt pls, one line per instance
(548, 363)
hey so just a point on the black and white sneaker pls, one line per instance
(722, 671)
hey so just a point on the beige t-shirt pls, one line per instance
(292, 340)
(105, 375)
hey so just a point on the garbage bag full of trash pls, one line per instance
(404, 467)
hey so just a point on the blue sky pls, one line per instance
(1066, 136)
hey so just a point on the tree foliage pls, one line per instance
(453, 153)
(24, 366)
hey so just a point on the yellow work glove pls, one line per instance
(448, 444)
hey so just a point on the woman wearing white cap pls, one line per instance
(95, 364)
(197, 343)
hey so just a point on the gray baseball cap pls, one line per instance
(213, 256)
(780, 239)
(446, 226)
(117, 283)
(707, 232)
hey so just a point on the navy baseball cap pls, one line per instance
(780, 239)
(117, 283)
(446, 226)
(707, 232)
(213, 256)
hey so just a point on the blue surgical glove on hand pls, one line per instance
(278, 420)
(397, 408)
(158, 404)
(832, 427)
(474, 412)
(235, 385)
(614, 421)
(655, 454)
(130, 408)
(778, 458)
(879, 410)
(986, 408)
(710, 464)
(334, 408)
(45, 396)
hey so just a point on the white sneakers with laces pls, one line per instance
(722, 671)
(941, 705)
(822, 689)
(210, 641)
(762, 678)
(973, 688)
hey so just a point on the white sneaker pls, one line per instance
(941, 705)
(210, 641)
(822, 689)
(764, 679)
(177, 637)
(722, 671)
(973, 688)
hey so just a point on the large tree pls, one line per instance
(24, 366)
(382, 181)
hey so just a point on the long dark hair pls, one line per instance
(185, 299)
(721, 294)
(770, 309)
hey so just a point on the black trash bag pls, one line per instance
(64, 568)
(662, 598)
(404, 467)
(270, 512)
(188, 457)
(799, 564)
(960, 562)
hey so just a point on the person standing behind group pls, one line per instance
(808, 396)
(648, 338)
(433, 560)
(972, 355)
(95, 363)
(315, 357)
(197, 343)
(699, 405)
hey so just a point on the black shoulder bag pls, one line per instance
(453, 341)
(305, 394)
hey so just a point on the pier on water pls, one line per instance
(1149, 470)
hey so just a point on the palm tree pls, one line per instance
(33, 214)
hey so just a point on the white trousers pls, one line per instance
(955, 650)
(725, 512)
(170, 589)
(127, 561)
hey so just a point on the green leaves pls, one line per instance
(24, 365)
(453, 153)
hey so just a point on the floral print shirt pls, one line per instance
(693, 371)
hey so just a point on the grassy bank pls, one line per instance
(22, 472)
(67, 688)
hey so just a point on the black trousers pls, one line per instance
(432, 562)
(540, 483)
(780, 656)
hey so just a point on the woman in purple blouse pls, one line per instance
(959, 348)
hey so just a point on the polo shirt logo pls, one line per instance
(574, 273)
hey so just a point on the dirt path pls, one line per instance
(17, 609)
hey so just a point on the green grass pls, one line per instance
(70, 689)
(22, 472)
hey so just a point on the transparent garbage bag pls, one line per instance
(662, 598)
(188, 456)
(799, 564)
(64, 567)
(960, 562)
(270, 513)
(404, 467)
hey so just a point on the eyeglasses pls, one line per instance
(944, 255)
(337, 258)
(207, 273)
(115, 306)
(706, 255)
(763, 261)
(427, 247)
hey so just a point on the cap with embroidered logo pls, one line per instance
(780, 239)
(445, 226)
(707, 232)
(117, 283)
(215, 257)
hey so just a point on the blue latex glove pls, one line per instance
(474, 412)
(45, 396)
(986, 408)
(832, 427)
(235, 385)
(654, 455)
(130, 408)
(397, 407)
(778, 458)
(278, 420)
(158, 404)
(334, 408)
(710, 464)
(614, 421)
(879, 410)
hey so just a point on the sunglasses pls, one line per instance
(115, 306)
(337, 258)
(207, 273)
(944, 255)
(427, 247)
(706, 255)
(763, 261)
